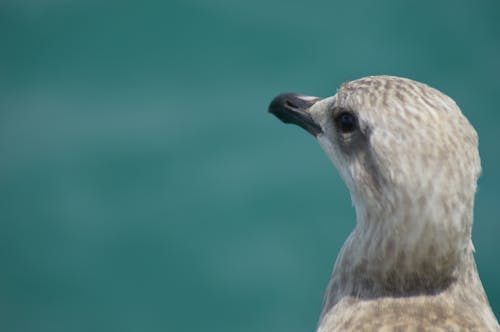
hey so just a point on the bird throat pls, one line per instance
(367, 270)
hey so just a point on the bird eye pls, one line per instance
(346, 122)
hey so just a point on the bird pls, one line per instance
(410, 160)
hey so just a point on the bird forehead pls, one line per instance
(390, 93)
(394, 101)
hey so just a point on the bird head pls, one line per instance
(405, 151)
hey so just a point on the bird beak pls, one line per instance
(293, 108)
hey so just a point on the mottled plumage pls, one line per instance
(411, 163)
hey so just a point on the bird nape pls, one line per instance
(410, 160)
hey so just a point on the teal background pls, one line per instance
(144, 186)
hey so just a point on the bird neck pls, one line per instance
(404, 256)
(402, 253)
(407, 243)
(415, 249)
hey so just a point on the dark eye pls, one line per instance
(346, 122)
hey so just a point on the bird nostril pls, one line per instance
(290, 104)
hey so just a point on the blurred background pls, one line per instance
(144, 186)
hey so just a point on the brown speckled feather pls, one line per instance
(410, 160)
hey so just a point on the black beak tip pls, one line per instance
(286, 101)
(292, 108)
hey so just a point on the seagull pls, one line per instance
(410, 160)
